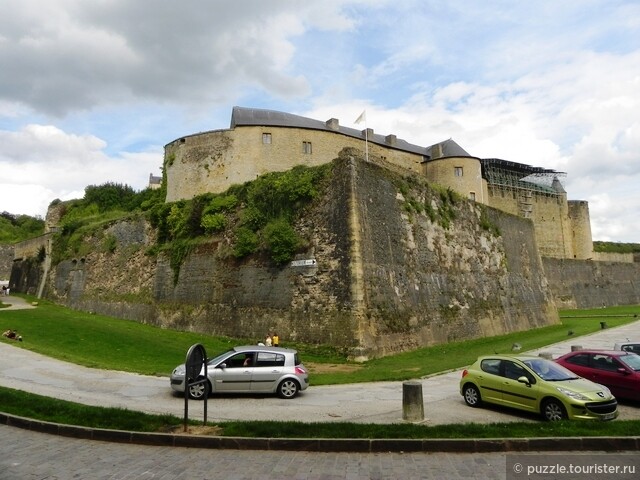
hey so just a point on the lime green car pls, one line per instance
(537, 385)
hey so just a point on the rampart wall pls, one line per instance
(614, 257)
(6, 261)
(419, 282)
(589, 284)
(31, 247)
(562, 228)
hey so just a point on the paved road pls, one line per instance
(379, 402)
(31, 455)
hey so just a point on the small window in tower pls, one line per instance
(472, 196)
(306, 147)
(266, 138)
(457, 171)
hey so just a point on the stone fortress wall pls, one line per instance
(213, 161)
(382, 280)
(6, 259)
(262, 141)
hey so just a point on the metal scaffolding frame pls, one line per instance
(518, 176)
(522, 181)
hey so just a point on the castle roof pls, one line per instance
(242, 116)
(448, 148)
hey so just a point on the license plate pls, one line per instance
(608, 416)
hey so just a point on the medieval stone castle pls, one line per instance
(262, 141)
(373, 278)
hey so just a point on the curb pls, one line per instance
(449, 445)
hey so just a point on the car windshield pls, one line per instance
(632, 361)
(215, 360)
(549, 371)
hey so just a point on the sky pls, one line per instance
(91, 91)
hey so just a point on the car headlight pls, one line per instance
(179, 371)
(572, 394)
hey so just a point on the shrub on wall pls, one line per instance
(246, 242)
(110, 196)
(109, 243)
(281, 240)
(214, 223)
(221, 203)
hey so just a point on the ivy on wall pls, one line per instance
(256, 217)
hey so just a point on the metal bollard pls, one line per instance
(412, 403)
(575, 348)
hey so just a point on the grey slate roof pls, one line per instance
(254, 116)
(449, 149)
(242, 116)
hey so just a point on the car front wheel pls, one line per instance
(471, 395)
(198, 391)
(553, 411)
(288, 389)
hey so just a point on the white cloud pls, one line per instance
(73, 55)
(96, 88)
(41, 163)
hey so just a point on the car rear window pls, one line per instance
(270, 359)
(579, 359)
(633, 348)
(491, 365)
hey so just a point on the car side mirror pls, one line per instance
(222, 366)
(623, 371)
(524, 380)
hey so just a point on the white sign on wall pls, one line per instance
(304, 263)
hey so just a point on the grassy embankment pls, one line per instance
(103, 342)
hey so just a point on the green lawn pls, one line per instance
(104, 342)
(42, 408)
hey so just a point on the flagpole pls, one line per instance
(363, 116)
(366, 140)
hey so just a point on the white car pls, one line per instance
(248, 369)
(628, 346)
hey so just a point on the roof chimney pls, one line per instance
(333, 124)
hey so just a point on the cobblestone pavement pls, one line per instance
(30, 455)
(26, 455)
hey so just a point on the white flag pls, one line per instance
(362, 117)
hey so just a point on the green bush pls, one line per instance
(222, 203)
(253, 218)
(281, 240)
(177, 219)
(247, 242)
(109, 243)
(15, 228)
(214, 222)
(179, 250)
(110, 196)
(616, 247)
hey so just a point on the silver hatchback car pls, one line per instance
(249, 369)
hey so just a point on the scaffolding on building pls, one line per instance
(521, 181)
(506, 174)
